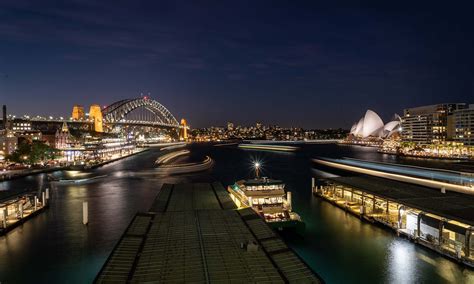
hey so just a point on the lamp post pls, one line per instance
(257, 169)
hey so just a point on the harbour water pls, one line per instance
(57, 247)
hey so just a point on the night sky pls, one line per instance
(291, 63)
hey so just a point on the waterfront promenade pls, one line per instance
(9, 175)
(193, 233)
(13, 174)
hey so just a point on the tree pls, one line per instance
(33, 153)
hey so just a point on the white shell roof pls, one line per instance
(372, 125)
(391, 125)
(359, 127)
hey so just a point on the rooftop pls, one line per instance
(193, 233)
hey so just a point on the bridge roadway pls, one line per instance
(193, 234)
(91, 122)
(434, 178)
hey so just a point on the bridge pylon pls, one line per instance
(183, 130)
(96, 113)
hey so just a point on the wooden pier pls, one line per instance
(194, 233)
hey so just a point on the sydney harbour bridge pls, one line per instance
(141, 114)
(141, 111)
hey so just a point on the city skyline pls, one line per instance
(236, 141)
(228, 62)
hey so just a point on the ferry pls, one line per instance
(269, 199)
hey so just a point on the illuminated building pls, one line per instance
(371, 125)
(8, 142)
(428, 124)
(20, 125)
(29, 135)
(461, 125)
(62, 137)
(78, 112)
(371, 131)
(94, 149)
(95, 113)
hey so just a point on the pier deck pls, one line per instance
(193, 233)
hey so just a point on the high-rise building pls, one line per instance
(230, 126)
(96, 113)
(461, 125)
(78, 112)
(428, 124)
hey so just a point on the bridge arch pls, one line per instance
(117, 111)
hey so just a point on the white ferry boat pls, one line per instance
(269, 199)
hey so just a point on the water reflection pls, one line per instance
(402, 262)
(56, 247)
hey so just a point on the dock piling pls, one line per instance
(43, 199)
(288, 198)
(47, 193)
(36, 202)
(4, 217)
(85, 213)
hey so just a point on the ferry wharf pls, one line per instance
(440, 220)
(194, 233)
(16, 210)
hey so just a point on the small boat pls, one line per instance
(269, 199)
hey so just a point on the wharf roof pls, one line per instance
(193, 233)
(450, 205)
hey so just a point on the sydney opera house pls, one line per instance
(370, 129)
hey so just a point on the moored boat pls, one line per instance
(269, 199)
